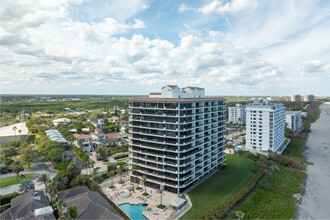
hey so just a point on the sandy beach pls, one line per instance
(316, 200)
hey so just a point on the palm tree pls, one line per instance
(43, 180)
(91, 164)
(71, 213)
(15, 128)
(143, 180)
(60, 182)
(120, 171)
(111, 174)
(82, 180)
(240, 214)
(134, 168)
(20, 131)
(26, 185)
(161, 195)
(51, 189)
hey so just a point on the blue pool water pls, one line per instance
(134, 211)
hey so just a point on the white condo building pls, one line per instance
(177, 137)
(237, 114)
(293, 120)
(265, 126)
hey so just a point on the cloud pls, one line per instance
(99, 32)
(184, 8)
(313, 67)
(233, 6)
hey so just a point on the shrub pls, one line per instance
(62, 165)
(5, 199)
(121, 163)
(105, 160)
(138, 188)
(161, 206)
(121, 182)
(111, 187)
(80, 153)
(120, 156)
(145, 194)
(4, 207)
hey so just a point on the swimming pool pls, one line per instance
(134, 211)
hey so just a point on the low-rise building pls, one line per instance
(85, 140)
(293, 120)
(30, 205)
(229, 150)
(54, 135)
(113, 119)
(237, 114)
(98, 124)
(14, 132)
(59, 121)
(90, 204)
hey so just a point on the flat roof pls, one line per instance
(9, 130)
(292, 112)
(175, 99)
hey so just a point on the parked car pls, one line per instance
(10, 170)
(4, 170)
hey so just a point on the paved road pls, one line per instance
(39, 167)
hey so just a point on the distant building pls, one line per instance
(237, 114)
(113, 119)
(293, 120)
(309, 98)
(295, 98)
(54, 135)
(98, 124)
(229, 150)
(265, 126)
(86, 141)
(60, 121)
(123, 125)
(30, 205)
(14, 132)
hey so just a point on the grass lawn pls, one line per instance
(12, 180)
(219, 187)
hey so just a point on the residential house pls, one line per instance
(89, 204)
(98, 124)
(54, 135)
(59, 121)
(86, 140)
(113, 119)
(30, 205)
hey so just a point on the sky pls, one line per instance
(133, 47)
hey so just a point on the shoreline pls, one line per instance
(316, 195)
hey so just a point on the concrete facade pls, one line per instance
(265, 124)
(237, 114)
(293, 120)
(176, 141)
(309, 98)
(295, 98)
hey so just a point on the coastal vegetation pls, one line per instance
(276, 195)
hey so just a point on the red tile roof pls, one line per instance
(113, 135)
(171, 86)
(97, 134)
(122, 122)
(81, 136)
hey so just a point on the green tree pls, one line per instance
(17, 169)
(71, 213)
(26, 185)
(28, 154)
(6, 154)
(101, 151)
(161, 195)
(95, 171)
(43, 179)
(15, 128)
(72, 171)
(82, 180)
(144, 180)
(111, 174)
(61, 182)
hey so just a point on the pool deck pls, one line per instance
(152, 212)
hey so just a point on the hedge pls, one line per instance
(81, 154)
(121, 212)
(5, 199)
(4, 207)
(120, 156)
(218, 212)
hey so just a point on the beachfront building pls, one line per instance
(237, 114)
(265, 126)
(309, 98)
(177, 137)
(295, 98)
(14, 132)
(61, 121)
(293, 120)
